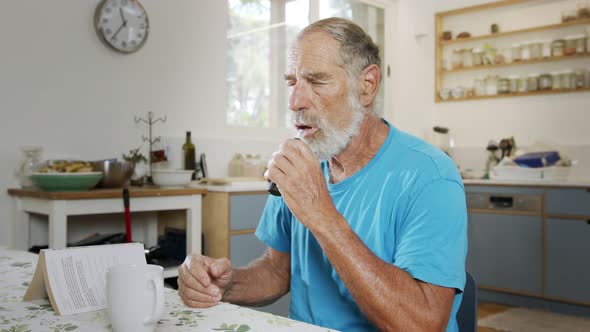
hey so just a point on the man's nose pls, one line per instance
(299, 97)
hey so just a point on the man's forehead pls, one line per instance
(314, 52)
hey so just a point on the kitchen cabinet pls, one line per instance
(530, 240)
(567, 268)
(567, 229)
(505, 252)
(230, 219)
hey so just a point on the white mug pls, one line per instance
(135, 295)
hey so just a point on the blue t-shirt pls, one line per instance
(408, 207)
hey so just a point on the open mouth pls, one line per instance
(302, 127)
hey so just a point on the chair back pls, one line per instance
(467, 313)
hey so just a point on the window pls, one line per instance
(260, 33)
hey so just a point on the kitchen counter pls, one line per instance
(245, 186)
(569, 183)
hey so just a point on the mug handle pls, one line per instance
(158, 304)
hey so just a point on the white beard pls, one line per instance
(330, 141)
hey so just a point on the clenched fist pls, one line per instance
(202, 280)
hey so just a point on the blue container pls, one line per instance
(538, 159)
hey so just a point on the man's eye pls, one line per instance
(290, 83)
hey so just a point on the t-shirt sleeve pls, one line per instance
(274, 228)
(432, 241)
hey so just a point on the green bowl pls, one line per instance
(66, 181)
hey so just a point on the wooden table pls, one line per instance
(58, 206)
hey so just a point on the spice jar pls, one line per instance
(580, 44)
(566, 79)
(479, 87)
(503, 85)
(513, 83)
(570, 45)
(456, 59)
(525, 51)
(467, 58)
(569, 15)
(580, 78)
(491, 85)
(477, 56)
(557, 47)
(583, 10)
(522, 85)
(546, 48)
(516, 52)
(556, 83)
(533, 82)
(536, 49)
(545, 82)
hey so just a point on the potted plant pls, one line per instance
(139, 160)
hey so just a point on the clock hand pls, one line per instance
(122, 16)
(114, 37)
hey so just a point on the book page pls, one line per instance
(76, 276)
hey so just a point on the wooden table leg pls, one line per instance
(58, 222)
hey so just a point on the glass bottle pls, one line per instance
(189, 161)
(28, 164)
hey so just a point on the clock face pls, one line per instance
(122, 24)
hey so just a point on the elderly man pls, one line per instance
(370, 231)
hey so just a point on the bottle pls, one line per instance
(189, 161)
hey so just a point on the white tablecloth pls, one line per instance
(16, 271)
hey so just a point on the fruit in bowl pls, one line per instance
(171, 177)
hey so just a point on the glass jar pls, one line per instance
(456, 59)
(525, 50)
(31, 157)
(569, 15)
(491, 85)
(507, 53)
(580, 75)
(570, 45)
(546, 48)
(566, 79)
(479, 87)
(477, 57)
(516, 52)
(556, 80)
(533, 82)
(583, 10)
(557, 47)
(545, 82)
(580, 44)
(503, 85)
(513, 83)
(536, 49)
(467, 58)
(523, 85)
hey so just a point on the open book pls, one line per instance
(74, 279)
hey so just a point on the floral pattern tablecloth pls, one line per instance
(16, 271)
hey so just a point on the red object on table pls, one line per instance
(128, 237)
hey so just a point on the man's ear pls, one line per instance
(369, 84)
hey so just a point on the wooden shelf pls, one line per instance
(523, 94)
(515, 32)
(519, 63)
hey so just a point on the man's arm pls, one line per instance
(261, 282)
(388, 296)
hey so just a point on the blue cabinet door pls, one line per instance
(505, 252)
(568, 259)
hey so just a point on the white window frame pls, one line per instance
(277, 117)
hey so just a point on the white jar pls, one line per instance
(28, 164)
(525, 51)
(546, 48)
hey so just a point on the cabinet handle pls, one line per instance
(502, 201)
(588, 221)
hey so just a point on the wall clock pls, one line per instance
(122, 24)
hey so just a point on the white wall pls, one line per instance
(61, 88)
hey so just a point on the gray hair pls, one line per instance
(357, 49)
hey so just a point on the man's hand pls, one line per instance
(202, 280)
(298, 175)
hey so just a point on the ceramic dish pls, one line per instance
(66, 181)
